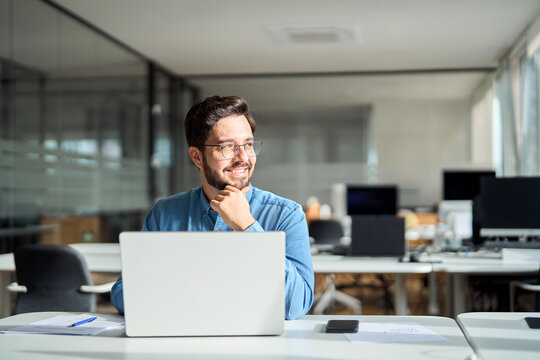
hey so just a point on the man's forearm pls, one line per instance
(117, 296)
(298, 292)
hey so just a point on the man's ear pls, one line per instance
(196, 156)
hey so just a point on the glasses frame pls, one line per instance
(237, 148)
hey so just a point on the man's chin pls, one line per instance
(238, 184)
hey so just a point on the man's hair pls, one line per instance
(205, 113)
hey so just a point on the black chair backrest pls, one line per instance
(52, 275)
(325, 231)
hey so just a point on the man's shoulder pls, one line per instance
(269, 198)
(179, 199)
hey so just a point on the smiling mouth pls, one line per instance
(238, 171)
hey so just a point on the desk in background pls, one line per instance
(302, 339)
(503, 336)
(458, 267)
(332, 264)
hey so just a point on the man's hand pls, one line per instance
(233, 207)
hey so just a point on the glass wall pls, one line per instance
(79, 143)
(305, 153)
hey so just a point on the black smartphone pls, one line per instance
(342, 326)
(533, 322)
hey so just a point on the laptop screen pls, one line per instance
(378, 235)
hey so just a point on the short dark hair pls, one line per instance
(205, 113)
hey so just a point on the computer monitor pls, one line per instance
(378, 235)
(463, 184)
(510, 206)
(372, 199)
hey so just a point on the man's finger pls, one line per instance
(245, 190)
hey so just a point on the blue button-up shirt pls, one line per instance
(191, 211)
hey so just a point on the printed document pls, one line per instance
(62, 325)
(393, 332)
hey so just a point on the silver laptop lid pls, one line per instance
(203, 283)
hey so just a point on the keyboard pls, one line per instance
(492, 244)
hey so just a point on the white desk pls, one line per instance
(331, 264)
(99, 258)
(302, 339)
(502, 336)
(457, 268)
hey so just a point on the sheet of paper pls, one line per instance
(394, 332)
(61, 325)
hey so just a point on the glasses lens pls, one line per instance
(255, 149)
(228, 150)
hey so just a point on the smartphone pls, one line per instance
(342, 326)
(533, 322)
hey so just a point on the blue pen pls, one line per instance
(84, 321)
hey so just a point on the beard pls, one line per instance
(218, 181)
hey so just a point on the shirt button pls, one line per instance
(204, 212)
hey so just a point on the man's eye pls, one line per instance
(227, 146)
(249, 144)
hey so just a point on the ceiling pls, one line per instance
(367, 49)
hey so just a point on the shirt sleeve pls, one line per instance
(117, 293)
(117, 296)
(299, 278)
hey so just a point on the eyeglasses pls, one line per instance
(230, 150)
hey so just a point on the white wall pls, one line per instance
(415, 140)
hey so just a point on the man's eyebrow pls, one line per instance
(223, 141)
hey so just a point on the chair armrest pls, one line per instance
(96, 289)
(15, 287)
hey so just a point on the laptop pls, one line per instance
(378, 236)
(203, 283)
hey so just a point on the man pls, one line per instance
(219, 132)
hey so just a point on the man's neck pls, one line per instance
(209, 191)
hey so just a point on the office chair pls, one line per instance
(53, 278)
(327, 235)
(533, 286)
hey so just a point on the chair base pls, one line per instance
(330, 296)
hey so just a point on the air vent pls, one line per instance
(329, 34)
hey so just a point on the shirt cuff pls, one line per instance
(255, 227)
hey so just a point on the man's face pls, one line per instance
(237, 171)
